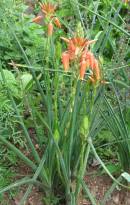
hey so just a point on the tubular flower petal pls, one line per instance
(48, 8)
(83, 56)
(90, 57)
(57, 22)
(93, 65)
(78, 49)
(90, 42)
(37, 19)
(50, 29)
(65, 39)
(76, 46)
(79, 42)
(92, 79)
(65, 61)
(96, 70)
(83, 66)
(72, 50)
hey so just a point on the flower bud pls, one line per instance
(90, 58)
(37, 19)
(56, 135)
(65, 60)
(57, 22)
(83, 66)
(96, 70)
(84, 127)
(50, 29)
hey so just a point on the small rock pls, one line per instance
(127, 201)
(95, 163)
(116, 199)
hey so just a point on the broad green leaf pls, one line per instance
(126, 176)
(113, 168)
(11, 82)
(26, 80)
(9, 77)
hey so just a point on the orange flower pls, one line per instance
(93, 63)
(57, 22)
(65, 60)
(96, 70)
(83, 66)
(78, 48)
(76, 45)
(50, 29)
(37, 19)
(48, 10)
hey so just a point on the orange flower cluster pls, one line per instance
(48, 11)
(78, 49)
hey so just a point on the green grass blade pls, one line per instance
(36, 175)
(18, 183)
(104, 166)
(110, 191)
(18, 153)
(106, 20)
(88, 194)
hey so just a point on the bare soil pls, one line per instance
(36, 198)
(98, 186)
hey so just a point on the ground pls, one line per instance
(98, 185)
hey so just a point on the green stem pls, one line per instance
(80, 174)
(33, 113)
(110, 191)
(20, 183)
(36, 175)
(88, 193)
(23, 157)
(83, 164)
(86, 158)
(61, 159)
(75, 90)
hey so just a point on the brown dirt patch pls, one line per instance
(98, 186)
(35, 198)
